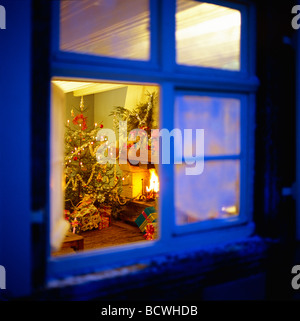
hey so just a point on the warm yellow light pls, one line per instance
(227, 19)
(154, 183)
(208, 35)
(230, 209)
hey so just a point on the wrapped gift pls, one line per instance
(105, 217)
(151, 231)
(105, 211)
(104, 222)
(87, 216)
(149, 215)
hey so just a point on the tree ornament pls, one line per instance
(81, 121)
(99, 177)
(81, 104)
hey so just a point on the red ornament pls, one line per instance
(75, 158)
(101, 126)
(80, 119)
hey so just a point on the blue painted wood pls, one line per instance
(128, 255)
(166, 193)
(15, 162)
(180, 275)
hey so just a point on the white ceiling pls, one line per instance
(85, 88)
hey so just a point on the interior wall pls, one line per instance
(128, 97)
(104, 103)
(137, 94)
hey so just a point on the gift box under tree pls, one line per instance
(151, 231)
(149, 215)
(85, 217)
(104, 222)
(105, 217)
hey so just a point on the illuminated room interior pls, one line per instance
(103, 202)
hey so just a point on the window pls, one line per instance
(207, 35)
(110, 58)
(214, 194)
(106, 28)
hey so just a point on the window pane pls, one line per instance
(207, 35)
(110, 188)
(212, 195)
(218, 116)
(114, 28)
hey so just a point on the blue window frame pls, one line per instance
(174, 80)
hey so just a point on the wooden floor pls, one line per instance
(120, 232)
(117, 233)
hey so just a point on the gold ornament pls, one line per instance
(99, 177)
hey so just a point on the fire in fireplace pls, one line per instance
(153, 189)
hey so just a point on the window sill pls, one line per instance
(164, 276)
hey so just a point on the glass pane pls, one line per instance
(212, 195)
(108, 201)
(218, 116)
(207, 35)
(115, 28)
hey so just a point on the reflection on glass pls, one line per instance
(207, 35)
(212, 195)
(218, 116)
(115, 28)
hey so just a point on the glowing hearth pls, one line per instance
(153, 189)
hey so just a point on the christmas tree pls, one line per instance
(85, 178)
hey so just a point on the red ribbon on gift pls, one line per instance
(146, 217)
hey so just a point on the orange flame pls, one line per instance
(154, 184)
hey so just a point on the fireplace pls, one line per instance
(140, 182)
